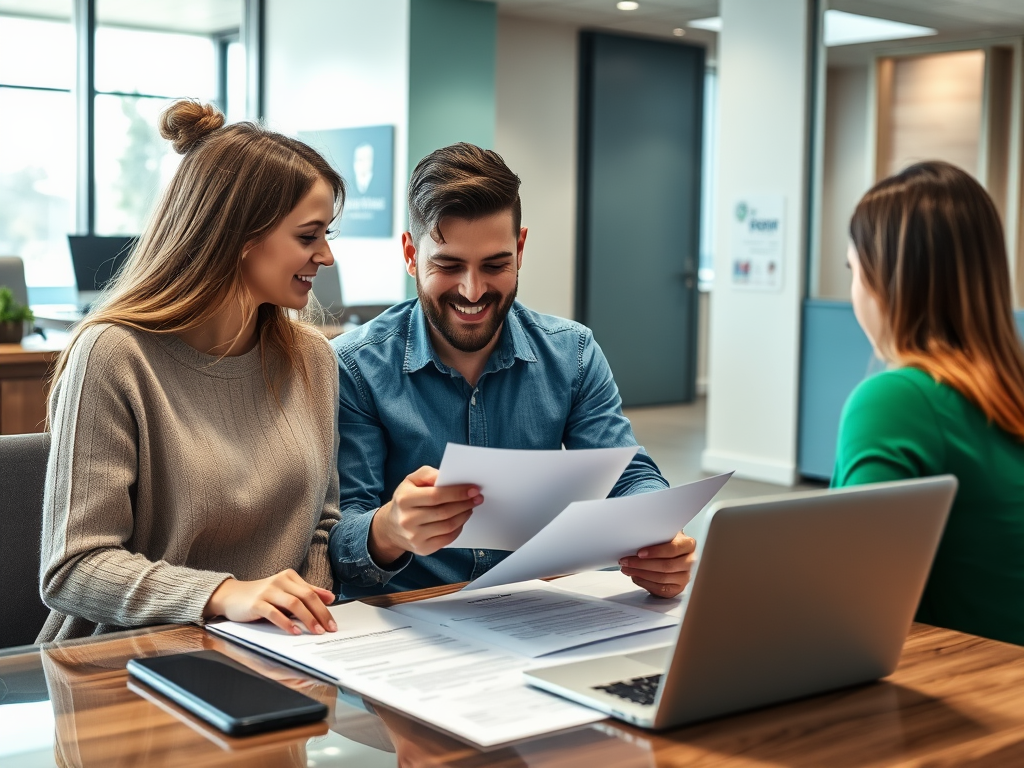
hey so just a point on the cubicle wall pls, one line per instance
(835, 357)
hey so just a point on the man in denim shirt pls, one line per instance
(466, 363)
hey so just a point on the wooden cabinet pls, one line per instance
(24, 370)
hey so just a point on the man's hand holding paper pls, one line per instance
(590, 535)
(421, 517)
(525, 490)
(662, 569)
(529, 509)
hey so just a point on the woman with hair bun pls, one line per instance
(931, 289)
(193, 467)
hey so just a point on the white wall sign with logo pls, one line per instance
(365, 159)
(757, 238)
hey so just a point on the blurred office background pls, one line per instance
(635, 127)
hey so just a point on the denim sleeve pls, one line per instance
(596, 420)
(362, 451)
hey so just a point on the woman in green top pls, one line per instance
(931, 289)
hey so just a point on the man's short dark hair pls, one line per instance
(464, 181)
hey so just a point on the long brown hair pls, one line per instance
(233, 187)
(931, 249)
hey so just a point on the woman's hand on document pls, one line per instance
(421, 517)
(282, 599)
(662, 569)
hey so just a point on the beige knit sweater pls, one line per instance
(171, 470)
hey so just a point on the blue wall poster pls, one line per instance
(365, 159)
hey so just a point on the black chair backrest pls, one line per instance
(12, 274)
(22, 474)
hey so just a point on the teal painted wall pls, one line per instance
(452, 70)
(835, 357)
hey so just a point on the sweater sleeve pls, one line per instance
(317, 567)
(87, 567)
(888, 431)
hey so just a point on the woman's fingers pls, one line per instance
(294, 604)
(318, 606)
(282, 599)
(275, 617)
(325, 595)
(308, 602)
(311, 602)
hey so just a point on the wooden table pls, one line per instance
(24, 370)
(955, 700)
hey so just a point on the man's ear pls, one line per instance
(409, 253)
(520, 245)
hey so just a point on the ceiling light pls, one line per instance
(678, 31)
(627, 5)
(713, 23)
(843, 28)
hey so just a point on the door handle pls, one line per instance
(688, 277)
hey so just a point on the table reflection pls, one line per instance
(73, 704)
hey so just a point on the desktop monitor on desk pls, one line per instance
(96, 259)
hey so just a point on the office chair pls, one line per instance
(12, 274)
(22, 474)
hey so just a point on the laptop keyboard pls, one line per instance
(640, 690)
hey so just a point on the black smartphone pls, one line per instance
(228, 695)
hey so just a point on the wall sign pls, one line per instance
(365, 159)
(757, 238)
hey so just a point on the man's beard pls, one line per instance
(464, 339)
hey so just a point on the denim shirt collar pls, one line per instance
(514, 343)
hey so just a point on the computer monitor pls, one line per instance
(96, 259)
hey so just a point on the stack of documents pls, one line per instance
(549, 509)
(456, 662)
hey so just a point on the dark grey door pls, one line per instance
(640, 121)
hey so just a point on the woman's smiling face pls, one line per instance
(280, 268)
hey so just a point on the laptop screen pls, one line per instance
(96, 259)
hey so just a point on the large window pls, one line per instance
(145, 55)
(37, 142)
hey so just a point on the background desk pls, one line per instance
(955, 700)
(24, 370)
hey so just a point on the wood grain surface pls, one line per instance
(24, 369)
(955, 700)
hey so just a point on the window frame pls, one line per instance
(83, 21)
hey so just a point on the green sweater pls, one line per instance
(903, 424)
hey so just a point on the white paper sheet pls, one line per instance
(533, 618)
(524, 490)
(617, 588)
(459, 685)
(589, 535)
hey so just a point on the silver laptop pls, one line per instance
(794, 595)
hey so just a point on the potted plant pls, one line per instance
(13, 317)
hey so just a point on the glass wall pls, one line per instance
(145, 56)
(37, 141)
